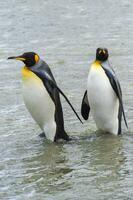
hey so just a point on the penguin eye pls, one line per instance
(36, 58)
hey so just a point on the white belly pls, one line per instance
(103, 101)
(40, 105)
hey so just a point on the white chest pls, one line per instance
(99, 85)
(102, 99)
(39, 104)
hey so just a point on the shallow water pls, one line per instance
(92, 165)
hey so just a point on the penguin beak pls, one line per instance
(17, 58)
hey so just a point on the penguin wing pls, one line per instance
(117, 89)
(85, 108)
(52, 88)
(45, 68)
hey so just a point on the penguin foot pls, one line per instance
(62, 136)
(42, 135)
(66, 137)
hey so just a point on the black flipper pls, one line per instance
(50, 85)
(117, 89)
(119, 119)
(60, 132)
(85, 108)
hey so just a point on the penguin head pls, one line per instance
(102, 54)
(29, 58)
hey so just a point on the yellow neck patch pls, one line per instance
(96, 64)
(27, 74)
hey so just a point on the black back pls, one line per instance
(117, 89)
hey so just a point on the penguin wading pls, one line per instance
(41, 96)
(103, 96)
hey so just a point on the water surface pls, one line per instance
(65, 35)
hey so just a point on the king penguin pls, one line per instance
(103, 95)
(41, 96)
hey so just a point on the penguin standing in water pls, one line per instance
(103, 95)
(41, 96)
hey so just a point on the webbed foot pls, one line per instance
(42, 135)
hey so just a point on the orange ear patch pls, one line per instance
(36, 58)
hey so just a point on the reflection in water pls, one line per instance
(49, 169)
(91, 163)
(107, 162)
(96, 166)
